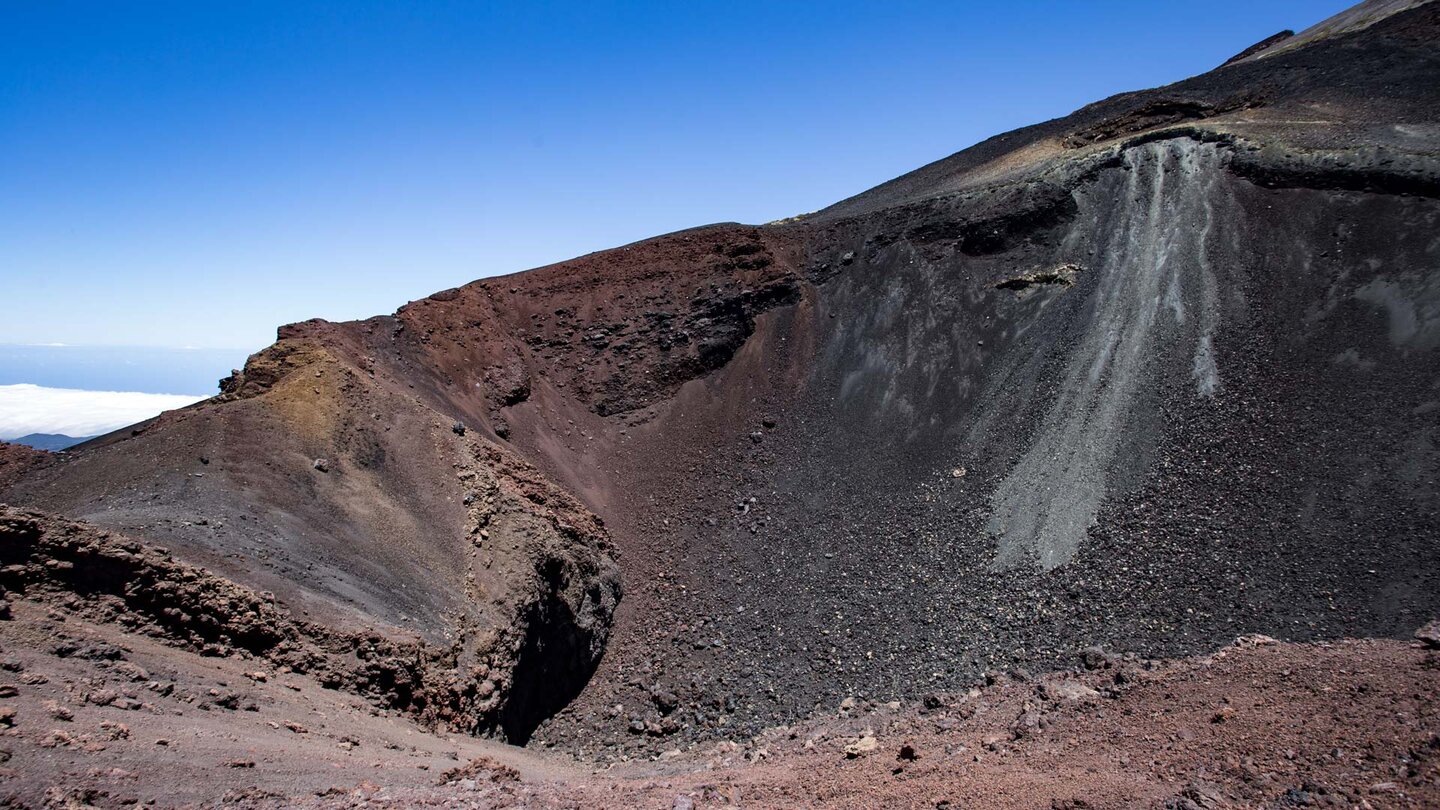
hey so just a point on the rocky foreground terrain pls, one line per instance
(114, 698)
(946, 495)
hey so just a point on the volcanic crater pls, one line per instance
(1115, 388)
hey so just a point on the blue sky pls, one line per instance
(196, 173)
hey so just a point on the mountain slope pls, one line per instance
(1150, 376)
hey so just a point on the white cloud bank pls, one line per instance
(27, 408)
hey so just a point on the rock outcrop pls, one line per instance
(528, 649)
(16, 460)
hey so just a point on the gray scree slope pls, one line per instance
(1154, 306)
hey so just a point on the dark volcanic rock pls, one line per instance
(1144, 378)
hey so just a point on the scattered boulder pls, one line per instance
(1026, 725)
(1061, 276)
(1059, 690)
(115, 731)
(859, 748)
(1429, 635)
(1095, 658)
(665, 700)
(102, 697)
(57, 711)
(130, 671)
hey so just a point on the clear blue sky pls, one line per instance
(195, 173)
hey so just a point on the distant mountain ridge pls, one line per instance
(50, 441)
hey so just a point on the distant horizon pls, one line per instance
(84, 391)
(167, 347)
(163, 370)
(27, 409)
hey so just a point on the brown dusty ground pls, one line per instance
(1351, 724)
(16, 459)
(95, 716)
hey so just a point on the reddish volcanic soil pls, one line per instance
(16, 460)
(121, 719)
(1307, 725)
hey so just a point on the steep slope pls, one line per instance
(1150, 376)
(359, 510)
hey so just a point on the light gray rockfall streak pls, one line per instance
(1155, 302)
